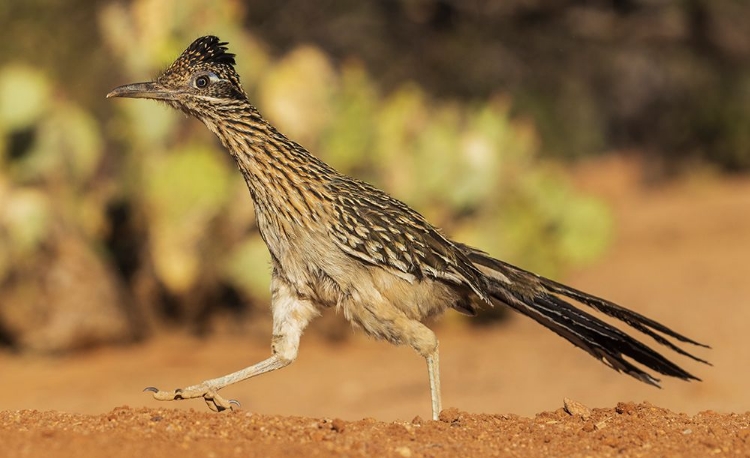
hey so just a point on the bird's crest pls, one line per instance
(206, 50)
(207, 53)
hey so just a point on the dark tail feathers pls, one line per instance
(539, 298)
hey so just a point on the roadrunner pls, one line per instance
(337, 242)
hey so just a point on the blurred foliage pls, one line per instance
(58, 292)
(158, 222)
(664, 78)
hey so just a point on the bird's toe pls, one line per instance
(160, 395)
(218, 403)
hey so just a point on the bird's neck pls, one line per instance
(286, 181)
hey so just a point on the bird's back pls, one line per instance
(373, 251)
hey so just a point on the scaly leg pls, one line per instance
(433, 370)
(290, 317)
(423, 340)
(208, 389)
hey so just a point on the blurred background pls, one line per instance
(604, 143)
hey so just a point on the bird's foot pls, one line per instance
(210, 395)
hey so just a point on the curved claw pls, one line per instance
(160, 395)
(212, 398)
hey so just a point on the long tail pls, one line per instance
(539, 298)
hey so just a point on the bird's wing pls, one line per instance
(377, 229)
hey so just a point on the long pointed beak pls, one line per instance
(148, 90)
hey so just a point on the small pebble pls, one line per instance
(338, 425)
(404, 451)
(450, 415)
(576, 408)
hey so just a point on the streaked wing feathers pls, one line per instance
(380, 230)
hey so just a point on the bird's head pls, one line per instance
(202, 77)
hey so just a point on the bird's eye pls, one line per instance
(201, 82)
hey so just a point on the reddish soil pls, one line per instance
(628, 429)
(680, 256)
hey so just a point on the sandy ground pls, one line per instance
(681, 256)
(626, 430)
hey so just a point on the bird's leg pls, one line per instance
(290, 317)
(208, 389)
(423, 340)
(433, 370)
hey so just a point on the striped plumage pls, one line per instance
(339, 242)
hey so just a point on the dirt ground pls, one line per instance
(680, 255)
